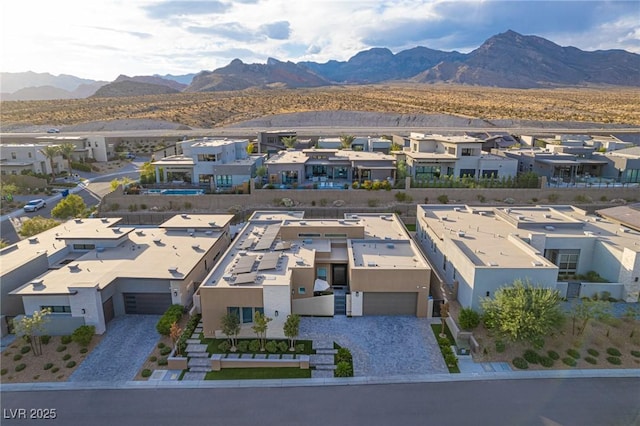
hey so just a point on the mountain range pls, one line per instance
(508, 60)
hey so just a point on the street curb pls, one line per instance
(350, 381)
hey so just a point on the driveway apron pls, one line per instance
(381, 345)
(127, 342)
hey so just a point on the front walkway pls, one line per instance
(381, 345)
(128, 341)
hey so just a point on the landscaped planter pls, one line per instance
(177, 362)
(218, 362)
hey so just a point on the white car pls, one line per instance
(35, 205)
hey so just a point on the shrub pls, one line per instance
(20, 367)
(520, 363)
(469, 319)
(443, 341)
(163, 361)
(243, 346)
(571, 362)
(613, 352)
(146, 373)
(70, 364)
(545, 361)
(344, 355)
(165, 351)
(573, 353)
(591, 360)
(65, 340)
(161, 345)
(171, 315)
(593, 352)
(83, 334)
(66, 357)
(500, 346)
(45, 339)
(531, 356)
(344, 369)
(553, 355)
(635, 354)
(283, 346)
(614, 360)
(271, 347)
(254, 345)
(47, 366)
(17, 357)
(3, 371)
(300, 348)
(55, 369)
(538, 343)
(451, 360)
(443, 199)
(223, 347)
(61, 348)
(84, 350)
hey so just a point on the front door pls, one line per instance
(339, 275)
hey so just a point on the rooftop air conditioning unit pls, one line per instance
(104, 220)
(37, 283)
(302, 222)
(456, 209)
(461, 234)
(172, 269)
(116, 230)
(78, 220)
(546, 216)
(185, 216)
(33, 240)
(212, 223)
(140, 233)
(372, 264)
(195, 246)
(537, 263)
(625, 230)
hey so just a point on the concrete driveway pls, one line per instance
(381, 345)
(126, 344)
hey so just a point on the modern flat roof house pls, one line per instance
(218, 164)
(90, 270)
(281, 263)
(476, 250)
(430, 157)
(16, 158)
(329, 167)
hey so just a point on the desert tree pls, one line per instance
(174, 333)
(582, 311)
(292, 329)
(290, 141)
(231, 328)
(31, 329)
(346, 141)
(67, 149)
(522, 311)
(71, 206)
(36, 225)
(444, 314)
(50, 152)
(260, 326)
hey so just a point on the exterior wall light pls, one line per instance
(276, 313)
(175, 293)
(83, 311)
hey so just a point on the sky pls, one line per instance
(101, 39)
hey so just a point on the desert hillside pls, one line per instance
(209, 110)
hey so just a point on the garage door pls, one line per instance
(146, 303)
(107, 308)
(389, 303)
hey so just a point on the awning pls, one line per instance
(320, 285)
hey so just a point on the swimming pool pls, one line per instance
(176, 191)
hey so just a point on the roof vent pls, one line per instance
(461, 234)
(33, 240)
(242, 253)
(158, 241)
(492, 264)
(185, 216)
(520, 217)
(140, 233)
(546, 216)
(74, 268)
(196, 246)
(105, 220)
(37, 283)
(537, 263)
(78, 220)
(116, 230)
(212, 223)
(173, 269)
(300, 262)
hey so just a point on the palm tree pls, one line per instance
(51, 151)
(290, 141)
(66, 149)
(346, 141)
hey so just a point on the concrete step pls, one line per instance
(321, 374)
(196, 341)
(326, 351)
(320, 359)
(195, 347)
(325, 367)
(193, 376)
(199, 362)
(322, 344)
(199, 370)
(199, 355)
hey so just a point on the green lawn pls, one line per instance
(411, 227)
(259, 373)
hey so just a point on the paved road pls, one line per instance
(583, 402)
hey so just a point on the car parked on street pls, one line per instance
(53, 130)
(35, 205)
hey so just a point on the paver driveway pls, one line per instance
(381, 345)
(127, 342)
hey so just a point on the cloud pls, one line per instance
(137, 34)
(276, 30)
(174, 8)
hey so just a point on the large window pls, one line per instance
(565, 260)
(489, 173)
(632, 175)
(223, 181)
(467, 152)
(58, 309)
(84, 246)
(204, 179)
(245, 313)
(321, 273)
(427, 172)
(467, 173)
(208, 157)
